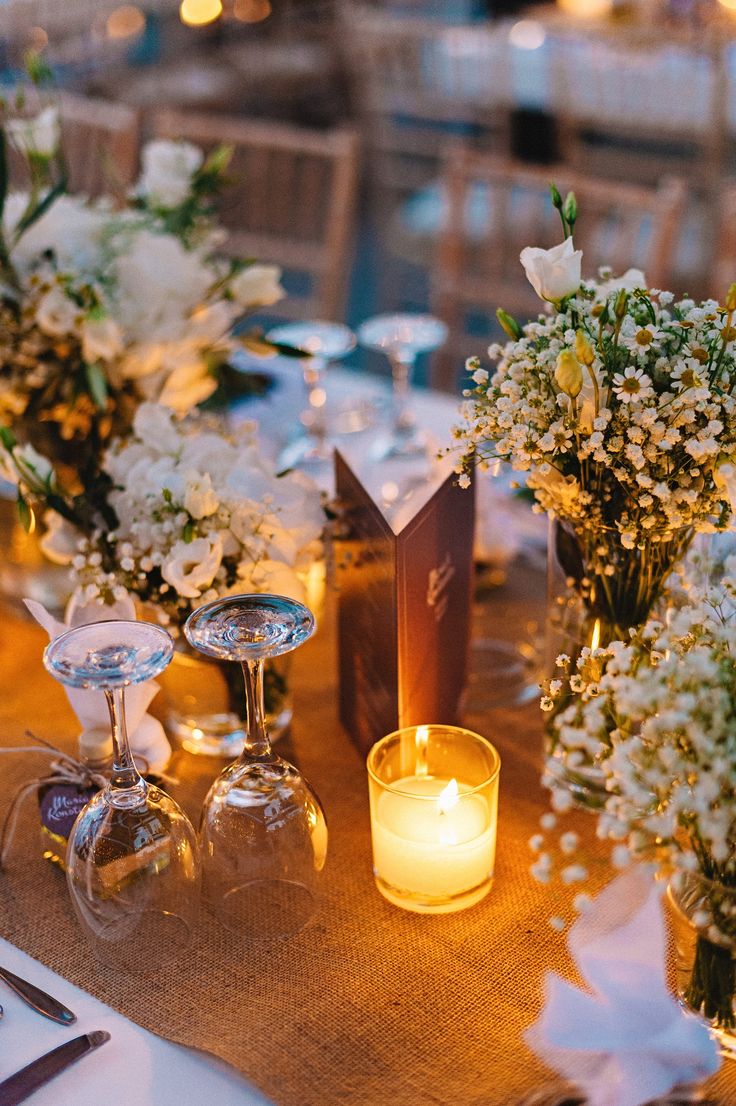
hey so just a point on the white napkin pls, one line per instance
(148, 741)
(627, 1040)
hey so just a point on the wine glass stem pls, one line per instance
(314, 379)
(256, 739)
(403, 417)
(124, 772)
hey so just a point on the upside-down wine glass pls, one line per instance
(402, 338)
(263, 832)
(324, 342)
(132, 862)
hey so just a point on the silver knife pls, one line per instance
(37, 999)
(17, 1088)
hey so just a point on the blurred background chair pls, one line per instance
(101, 142)
(417, 83)
(495, 207)
(637, 112)
(291, 202)
(723, 268)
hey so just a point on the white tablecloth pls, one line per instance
(134, 1068)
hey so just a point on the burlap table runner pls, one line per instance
(369, 1004)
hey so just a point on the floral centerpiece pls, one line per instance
(659, 712)
(199, 515)
(105, 304)
(190, 514)
(618, 406)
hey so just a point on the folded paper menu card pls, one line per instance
(403, 609)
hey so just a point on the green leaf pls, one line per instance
(37, 68)
(7, 437)
(30, 217)
(97, 384)
(25, 514)
(189, 531)
(167, 496)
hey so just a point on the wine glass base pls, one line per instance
(264, 909)
(501, 674)
(305, 451)
(141, 942)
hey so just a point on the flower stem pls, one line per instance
(712, 986)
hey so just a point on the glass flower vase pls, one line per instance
(206, 707)
(599, 587)
(703, 913)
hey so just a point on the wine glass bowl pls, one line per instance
(322, 342)
(132, 860)
(402, 337)
(255, 627)
(98, 659)
(263, 832)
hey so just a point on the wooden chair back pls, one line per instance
(419, 82)
(494, 208)
(722, 271)
(101, 144)
(635, 112)
(290, 200)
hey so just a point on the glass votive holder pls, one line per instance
(434, 803)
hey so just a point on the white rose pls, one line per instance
(154, 424)
(60, 539)
(211, 323)
(39, 136)
(72, 229)
(270, 578)
(157, 284)
(187, 385)
(167, 173)
(56, 314)
(257, 286)
(200, 498)
(102, 339)
(555, 273)
(190, 567)
(142, 360)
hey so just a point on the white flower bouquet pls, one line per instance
(198, 516)
(106, 304)
(618, 404)
(659, 712)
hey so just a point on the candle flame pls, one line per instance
(595, 639)
(421, 742)
(449, 797)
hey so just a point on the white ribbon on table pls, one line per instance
(148, 741)
(626, 1041)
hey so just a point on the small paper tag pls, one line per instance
(61, 803)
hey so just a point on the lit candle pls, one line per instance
(434, 837)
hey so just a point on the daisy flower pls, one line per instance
(632, 384)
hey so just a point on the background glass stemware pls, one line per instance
(132, 862)
(402, 337)
(263, 831)
(325, 342)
